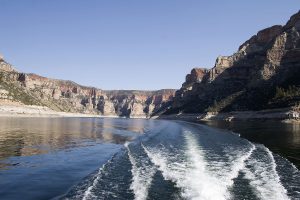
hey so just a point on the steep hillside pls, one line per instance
(60, 95)
(263, 74)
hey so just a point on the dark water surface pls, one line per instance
(281, 138)
(88, 158)
(41, 158)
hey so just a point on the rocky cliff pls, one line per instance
(264, 73)
(60, 95)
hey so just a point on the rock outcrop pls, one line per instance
(4, 66)
(68, 96)
(263, 74)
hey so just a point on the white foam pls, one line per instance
(126, 144)
(264, 177)
(88, 194)
(160, 160)
(237, 159)
(194, 175)
(201, 184)
(142, 175)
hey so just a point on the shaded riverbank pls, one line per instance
(283, 114)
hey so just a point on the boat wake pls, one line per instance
(193, 174)
(142, 174)
(200, 163)
(263, 176)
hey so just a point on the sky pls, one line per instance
(130, 44)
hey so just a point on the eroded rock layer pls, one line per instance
(264, 73)
(68, 96)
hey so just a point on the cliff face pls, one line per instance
(263, 73)
(68, 96)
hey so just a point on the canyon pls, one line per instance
(263, 74)
(19, 88)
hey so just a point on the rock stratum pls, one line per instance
(67, 96)
(263, 74)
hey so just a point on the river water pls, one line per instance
(93, 158)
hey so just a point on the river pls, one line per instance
(94, 158)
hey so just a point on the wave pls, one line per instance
(263, 175)
(220, 176)
(200, 163)
(200, 183)
(193, 174)
(170, 171)
(88, 194)
(237, 160)
(142, 175)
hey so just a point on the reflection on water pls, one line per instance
(27, 136)
(41, 158)
(281, 138)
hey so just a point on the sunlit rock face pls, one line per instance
(246, 80)
(69, 96)
(4, 66)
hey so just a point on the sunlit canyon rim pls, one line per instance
(67, 96)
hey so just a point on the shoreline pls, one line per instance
(36, 111)
(17, 110)
(285, 115)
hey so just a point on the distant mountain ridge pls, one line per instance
(263, 74)
(68, 96)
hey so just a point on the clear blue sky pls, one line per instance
(130, 44)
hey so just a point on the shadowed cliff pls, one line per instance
(263, 74)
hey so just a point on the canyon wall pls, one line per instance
(263, 74)
(68, 96)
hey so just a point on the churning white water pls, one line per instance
(187, 162)
(199, 179)
(142, 174)
(264, 177)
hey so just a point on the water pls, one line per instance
(78, 158)
(280, 138)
